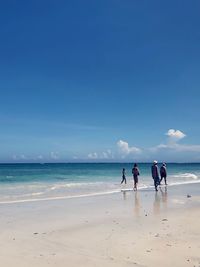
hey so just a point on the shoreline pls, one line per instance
(94, 194)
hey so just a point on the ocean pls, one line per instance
(33, 182)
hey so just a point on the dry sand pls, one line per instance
(127, 229)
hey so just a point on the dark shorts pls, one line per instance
(156, 181)
(135, 178)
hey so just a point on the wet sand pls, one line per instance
(141, 228)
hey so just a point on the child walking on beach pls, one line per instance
(136, 173)
(123, 176)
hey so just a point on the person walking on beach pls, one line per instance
(155, 174)
(163, 173)
(123, 176)
(136, 173)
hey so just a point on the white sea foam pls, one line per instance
(186, 175)
(59, 197)
(34, 194)
(39, 191)
(92, 194)
(73, 185)
(184, 182)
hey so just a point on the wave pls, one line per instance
(33, 194)
(186, 175)
(59, 197)
(91, 194)
(185, 182)
(73, 185)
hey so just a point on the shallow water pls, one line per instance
(24, 182)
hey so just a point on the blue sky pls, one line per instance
(99, 81)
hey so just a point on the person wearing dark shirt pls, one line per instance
(155, 174)
(135, 172)
(163, 173)
(123, 176)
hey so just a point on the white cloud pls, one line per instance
(19, 157)
(187, 148)
(107, 154)
(171, 147)
(40, 157)
(177, 147)
(93, 155)
(54, 155)
(126, 149)
(175, 135)
(157, 148)
(101, 155)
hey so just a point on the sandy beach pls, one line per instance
(122, 229)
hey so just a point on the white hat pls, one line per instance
(155, 162)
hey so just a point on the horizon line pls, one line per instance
(103, 162)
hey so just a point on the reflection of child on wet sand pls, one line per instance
(123, 176)
(137, 205)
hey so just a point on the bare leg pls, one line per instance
(135, 185)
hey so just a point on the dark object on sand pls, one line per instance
(189, 196)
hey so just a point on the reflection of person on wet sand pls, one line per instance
(124, 195)
(156, 204)
(137, 204)
(164, 196)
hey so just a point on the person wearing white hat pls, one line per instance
(155, 174)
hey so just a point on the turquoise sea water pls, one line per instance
(24, 182)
